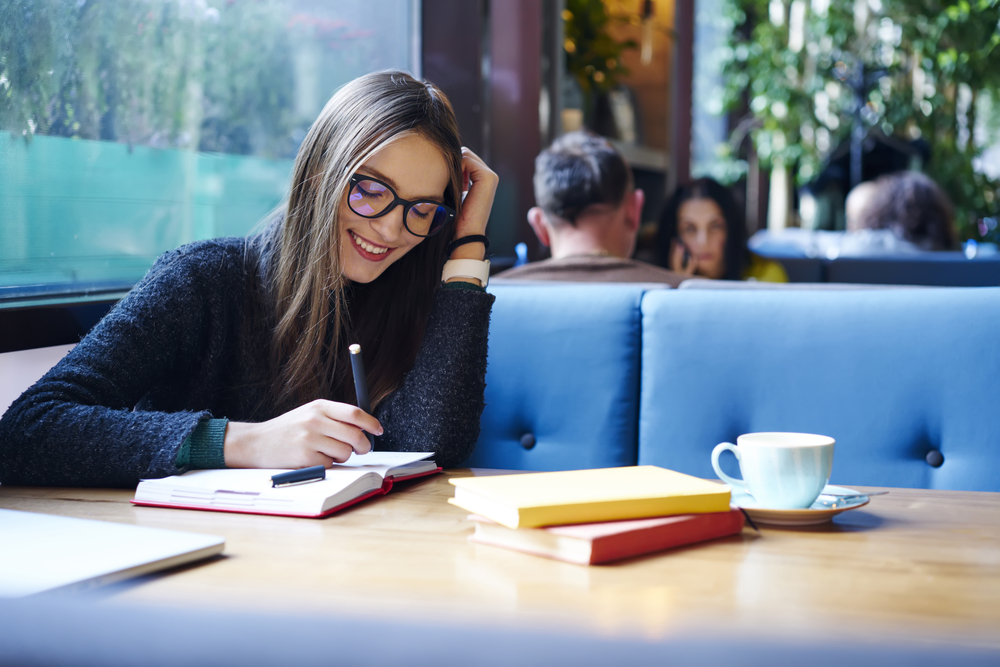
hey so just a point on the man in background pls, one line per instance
(588, 213)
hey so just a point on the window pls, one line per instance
(129, 127)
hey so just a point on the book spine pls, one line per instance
(699, 528)
(557, 515)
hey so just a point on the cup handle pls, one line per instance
(731, 481)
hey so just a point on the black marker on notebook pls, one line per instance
(300, 476)
(361, 385)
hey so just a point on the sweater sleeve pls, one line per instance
(438, 406)
(204, 449)
(79, 425)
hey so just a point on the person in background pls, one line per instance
(857, 200)
(702, 234)
(908, 204)
(588, 213)
(903, 213)
(233, 352)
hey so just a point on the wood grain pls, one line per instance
(914, 564)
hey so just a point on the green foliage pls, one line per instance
(209, 75)
(593, 56)
(158, 73)
(928, 63)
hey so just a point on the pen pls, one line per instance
(301, 476)
(361, 385)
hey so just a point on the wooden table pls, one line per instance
(912, 565)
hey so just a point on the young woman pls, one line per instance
(233, 352)
(702, 234)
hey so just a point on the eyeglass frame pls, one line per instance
(396, 201)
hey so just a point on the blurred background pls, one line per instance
(129, 127)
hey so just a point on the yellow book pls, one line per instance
(585, 496)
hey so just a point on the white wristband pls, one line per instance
(467, 268)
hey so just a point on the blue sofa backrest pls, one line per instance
(891, 374)
(563, 373)
(941, 269)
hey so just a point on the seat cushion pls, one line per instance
(891, 374)
(563, 374)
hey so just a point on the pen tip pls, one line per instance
(355, 349)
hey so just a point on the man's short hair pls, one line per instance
(578, 171)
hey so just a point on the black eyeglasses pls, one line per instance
(372, 198)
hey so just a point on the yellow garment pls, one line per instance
(765, 270)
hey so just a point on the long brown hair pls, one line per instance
(317, 311)
(914, 208)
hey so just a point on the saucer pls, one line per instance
(825, 508)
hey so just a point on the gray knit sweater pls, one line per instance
(187, 345)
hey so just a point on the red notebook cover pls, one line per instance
(386, 488)
(594, 543)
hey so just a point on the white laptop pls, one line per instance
(43, 552)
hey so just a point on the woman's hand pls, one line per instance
(317, 433)
(681, 260)
(480, 182)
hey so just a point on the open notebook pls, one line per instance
(250, 490)
(42, 552)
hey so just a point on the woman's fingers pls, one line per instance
(322, 443)
(348, 414)
(677, 259)
(329, 452)
(481, 183)
(678, 255)
(332, 424)
(317, 433)
(335, 432)
(473, 165)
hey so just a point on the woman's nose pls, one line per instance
(390, 225)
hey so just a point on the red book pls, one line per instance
(594, 543)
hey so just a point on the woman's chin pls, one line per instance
(715, 272)
(361, 274)
(361, 277)
(358, 270)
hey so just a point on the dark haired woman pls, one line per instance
(702, 234)
(233, 352)
(910, 206)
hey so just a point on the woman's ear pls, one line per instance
(536, 218)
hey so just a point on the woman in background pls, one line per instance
(234, 352)
(702, 234)
(907, 204)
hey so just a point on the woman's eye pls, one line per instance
(371, 190)
(423, 211)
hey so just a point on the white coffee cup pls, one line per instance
(780, 470)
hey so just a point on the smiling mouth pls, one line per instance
(377, 252)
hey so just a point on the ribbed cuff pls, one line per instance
(203, 449)
(461, 284)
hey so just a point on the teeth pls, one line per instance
(367, 246)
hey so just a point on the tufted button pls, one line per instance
(934, 458)
(528, 440)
